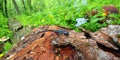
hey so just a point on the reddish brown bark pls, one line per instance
(49, 45)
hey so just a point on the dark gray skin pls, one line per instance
(59, 32)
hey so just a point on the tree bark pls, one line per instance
(1, 5)
(29, 4)
(6, 12)
(24, 4)
(16, 7)
(58, 43)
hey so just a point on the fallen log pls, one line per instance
(18, 30)
(58, 43)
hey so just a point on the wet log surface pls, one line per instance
(58, 43)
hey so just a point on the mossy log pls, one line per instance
(19, 31)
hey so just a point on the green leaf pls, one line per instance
(7, 46)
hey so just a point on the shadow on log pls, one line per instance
(57, 43)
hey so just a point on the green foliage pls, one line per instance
(1, 55)
(65, 12)
(4, 30)
(93, 26)
(7, 47)
(114, 22)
